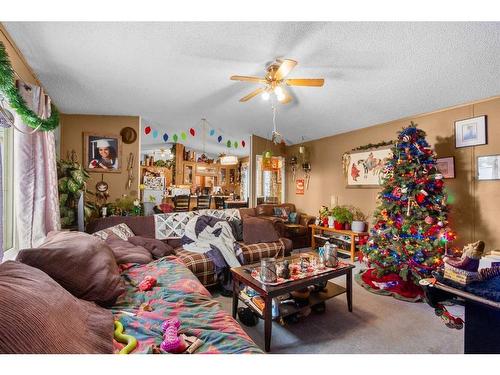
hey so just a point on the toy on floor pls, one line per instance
(131, 341)
(146, 284)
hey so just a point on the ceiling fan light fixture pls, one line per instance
(280, 97)
(265, 95)
(278, 91)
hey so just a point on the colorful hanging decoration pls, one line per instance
(212, 132)
(243, 144)
(228, 144)
(183, 136)
(219, 138)
(155, 133)
(165, 137)
(192, 132)
(147, 130)
(175, 138)
(235, 144)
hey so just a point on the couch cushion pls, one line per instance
(121, 230)
(83, 264)
(140, 225)
(247, 212)
(289, 206)
(199, 264)
(294, 230)
(127, 252)
(156, 247)
(257, 230)
(37, 315)
(264, 210)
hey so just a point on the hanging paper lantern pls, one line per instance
(165, 137)
(219, 138)
(228, 143)
(175, 137)
(243, 144)
(192, 132)
(155, 133)
(212, 132)
(147, 130)
(235, 144)
(183, 136)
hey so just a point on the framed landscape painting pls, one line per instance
(364, 169)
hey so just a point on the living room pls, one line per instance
(282, 187)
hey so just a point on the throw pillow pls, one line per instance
(84, 265)
(281, 212)
(38, 316)
(293, 218)
(257, 230)
(121, 230)
(236, 228)
(127, 252)
(157, 248)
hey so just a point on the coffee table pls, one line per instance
(242, 275)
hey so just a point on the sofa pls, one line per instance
(75, 280)
(298, 232)
(199, 264)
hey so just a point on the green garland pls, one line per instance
(8, 87)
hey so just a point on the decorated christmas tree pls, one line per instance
(410, 232)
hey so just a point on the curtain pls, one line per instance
(35, 178)
(1, 203)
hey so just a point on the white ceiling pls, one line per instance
(172, 74)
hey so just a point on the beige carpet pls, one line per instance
(378, 324)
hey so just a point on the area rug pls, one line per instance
(389, 285)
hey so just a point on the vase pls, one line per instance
(338, 225)
(347, 226)
(358, 226)
(331, 221)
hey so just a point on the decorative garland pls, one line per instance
(8, 87)
(373, 145)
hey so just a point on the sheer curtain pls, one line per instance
(1, 203)
(35, 184)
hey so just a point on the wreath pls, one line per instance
(8, 87)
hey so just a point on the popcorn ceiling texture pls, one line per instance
(172, 74)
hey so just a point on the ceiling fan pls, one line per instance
(275, 80)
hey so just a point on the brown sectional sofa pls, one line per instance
(298, 233)
(199, 264)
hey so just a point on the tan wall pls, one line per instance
(258, 146)
(72, 129)
(17, 61)
(476, 210)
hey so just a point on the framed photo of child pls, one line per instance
(102, 152)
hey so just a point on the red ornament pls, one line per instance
(439, 183)
(420, 197)
(192, 132)
(147, 130)
(243, 144)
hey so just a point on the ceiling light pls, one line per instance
(228, 160)
(265, 95)
(280, 96)
(278, 91)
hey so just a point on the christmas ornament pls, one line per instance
(428, 220)
(147, 130)
(165, 137)
(192, 132)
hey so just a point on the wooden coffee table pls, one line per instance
(242, 275)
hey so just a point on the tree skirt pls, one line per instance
(389, 285)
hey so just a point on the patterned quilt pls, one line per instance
(178, 294)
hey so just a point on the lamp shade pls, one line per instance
(228, 160)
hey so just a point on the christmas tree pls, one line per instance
(410, 232)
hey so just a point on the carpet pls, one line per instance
(378, 324)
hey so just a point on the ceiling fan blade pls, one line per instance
(287, 97)
(249, 79)
(252, 94)
(284, 69)
(316, 82)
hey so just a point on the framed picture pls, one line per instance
(364, 169)
(488, 167)
(102, 152)
(446, 166)
(470, 132)
(299, 186)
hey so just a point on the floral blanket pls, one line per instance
(179, 294)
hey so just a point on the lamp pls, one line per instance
(228, 160)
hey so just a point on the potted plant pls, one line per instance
(342, 216)
(358, 220)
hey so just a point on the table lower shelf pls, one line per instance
(331, 290)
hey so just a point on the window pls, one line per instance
(6, 151)
(269, 181)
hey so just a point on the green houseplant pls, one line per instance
(342, 216)
(72, 180)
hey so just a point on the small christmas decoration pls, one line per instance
(464, 270)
